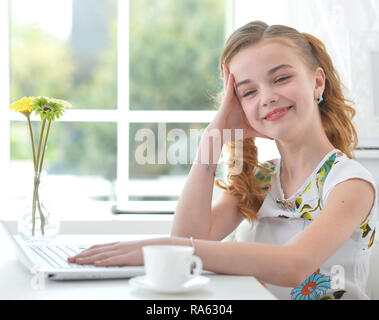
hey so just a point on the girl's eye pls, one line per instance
(249, 93)
(282, 79)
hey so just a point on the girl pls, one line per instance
(313, 209)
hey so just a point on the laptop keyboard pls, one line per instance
(56, 255)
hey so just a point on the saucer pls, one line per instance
(192, 284)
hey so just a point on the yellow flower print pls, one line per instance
(306, 214)
(337, 295)
(371, 239)
(298, 202)
(307, 188)
(366, 229)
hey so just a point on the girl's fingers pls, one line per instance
(230, 88)
(133, 258)
(226, 75)
(93, 251)
(95, 257)
(99, 246)
(102, 245)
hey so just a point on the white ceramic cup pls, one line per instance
(170, 266)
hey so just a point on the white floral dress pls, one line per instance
(342, 276)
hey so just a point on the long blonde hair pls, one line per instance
(336, 113)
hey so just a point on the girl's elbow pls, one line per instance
(291, 272)
(299, 270)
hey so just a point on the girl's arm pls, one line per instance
(346, 208)
(194, 214)
(348, 205)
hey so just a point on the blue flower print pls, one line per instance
(312, 288)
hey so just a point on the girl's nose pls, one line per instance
(268, 96)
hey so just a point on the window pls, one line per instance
(124, 66)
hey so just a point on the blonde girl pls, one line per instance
(313, 209)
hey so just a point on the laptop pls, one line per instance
(51, 261)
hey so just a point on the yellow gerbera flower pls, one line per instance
(24, 105)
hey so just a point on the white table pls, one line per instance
(17, 283)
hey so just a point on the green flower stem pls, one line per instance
(41, 216)
(37, 181)
(40, 141)
(35, 169)
(44, 146)
(33, 147)
(40, 170)
(36, 204)
(35, 191)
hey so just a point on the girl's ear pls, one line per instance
(320, 82)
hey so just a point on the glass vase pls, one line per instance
(38, 224)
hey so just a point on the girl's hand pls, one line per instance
(113, 254)
(230, 114)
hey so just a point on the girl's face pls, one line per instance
(276, 89)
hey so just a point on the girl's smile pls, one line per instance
(277, 113)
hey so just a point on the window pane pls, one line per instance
(161, 155)
(65, 49)
(81, 157)
(174, 52)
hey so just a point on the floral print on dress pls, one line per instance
(265, 177)
(366, 229)
(309, 209)
(313, 288)
(372, 238)
(323, 172)
(309, 201)
(305, 209)
(337, 295)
